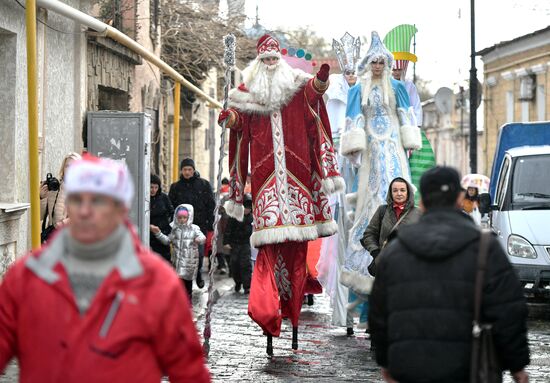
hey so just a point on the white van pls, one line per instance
(521, 214)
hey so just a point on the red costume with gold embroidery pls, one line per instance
(278, 118)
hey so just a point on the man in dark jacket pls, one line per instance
(161, 213)
(195, 191)
(421, 307)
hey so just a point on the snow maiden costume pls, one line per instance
(379, 127)
(278, 114)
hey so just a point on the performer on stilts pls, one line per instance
(347, 51)
(380, 128)
(278, 114)
(398, 41)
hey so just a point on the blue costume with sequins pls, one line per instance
(378, 156)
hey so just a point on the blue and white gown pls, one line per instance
(372, 142)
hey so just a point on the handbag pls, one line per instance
(47, 231)
(484, 366)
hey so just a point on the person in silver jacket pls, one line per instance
(185, 238)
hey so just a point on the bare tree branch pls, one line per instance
(192, 39)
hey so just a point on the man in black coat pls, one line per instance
(196, 191)
(422, 302)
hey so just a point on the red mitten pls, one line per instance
(323, 73)
(224, 115)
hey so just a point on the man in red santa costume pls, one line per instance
(278, 116)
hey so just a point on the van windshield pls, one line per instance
(531, 182)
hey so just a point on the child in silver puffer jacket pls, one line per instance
(185, 238)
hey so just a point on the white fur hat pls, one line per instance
(102, 176)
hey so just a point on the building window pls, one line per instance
(510, 106)
(541, 103)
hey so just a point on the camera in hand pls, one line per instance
(52, 182)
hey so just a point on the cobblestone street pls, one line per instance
(325, 354)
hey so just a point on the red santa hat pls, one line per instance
(268, 46)
(100, 176)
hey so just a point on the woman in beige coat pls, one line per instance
(52, 202)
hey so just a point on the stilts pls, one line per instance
(269, 349)
(294, 337)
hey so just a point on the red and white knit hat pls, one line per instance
(101, 176)
(268, 46)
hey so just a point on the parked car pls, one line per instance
(520, 208)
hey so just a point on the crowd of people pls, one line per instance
(309, 158)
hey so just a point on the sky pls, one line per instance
(443, 37)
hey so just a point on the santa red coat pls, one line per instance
(292, 160)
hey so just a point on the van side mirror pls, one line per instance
(485, 203)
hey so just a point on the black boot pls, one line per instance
(269, 349)
(295, 338)
(349, 331)
(310, 299)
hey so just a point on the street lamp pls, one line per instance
(473, 92)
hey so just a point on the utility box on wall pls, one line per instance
(126, 136)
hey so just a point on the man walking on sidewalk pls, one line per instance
(422, 302)
(96, 305)
(196, 191)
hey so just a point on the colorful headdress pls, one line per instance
(377, 50)
(268, 46)
(398, 41)
(347, 51)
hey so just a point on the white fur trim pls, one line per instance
(235, 210)
(244, 102)
(353, 140)
(332, 185)
(326, 229)
(410, 137)
(351, 199)
(359, 283)
(280, 234)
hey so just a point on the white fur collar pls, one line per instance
(241, 99)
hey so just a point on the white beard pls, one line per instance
(270, 85)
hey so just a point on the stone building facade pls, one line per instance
(517, 80)
(78, 71)
(61, 64)
(200, 135)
